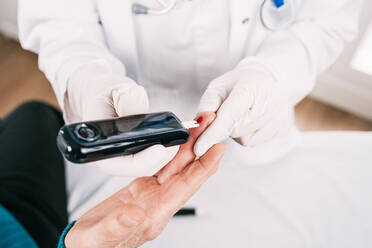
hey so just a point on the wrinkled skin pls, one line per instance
(139, 212)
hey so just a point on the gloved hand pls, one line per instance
(139, 212)
(251, 107)
(94, 92)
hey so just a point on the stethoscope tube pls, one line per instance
(140, 9)
(275, 14)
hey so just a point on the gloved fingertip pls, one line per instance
(208, 108)
(209, 104)
(132, 101)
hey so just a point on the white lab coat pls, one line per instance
(176, 55)
(67, 34)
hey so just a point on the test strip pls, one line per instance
(190, 124)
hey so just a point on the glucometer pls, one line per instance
(96, 140)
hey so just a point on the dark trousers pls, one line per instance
(32, 174)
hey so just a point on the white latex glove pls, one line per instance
(94, 92)
(251, 107)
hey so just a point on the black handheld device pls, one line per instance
(95, 140)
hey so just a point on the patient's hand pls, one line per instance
(139, 212)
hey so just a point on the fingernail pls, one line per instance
(200, 119)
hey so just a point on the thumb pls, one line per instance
(120, 97)
(130, 101)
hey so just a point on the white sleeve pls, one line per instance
(66, 34)
(310, 46)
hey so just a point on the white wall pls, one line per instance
(348, 84)
(8, 17)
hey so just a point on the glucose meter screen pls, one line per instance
(138, 125)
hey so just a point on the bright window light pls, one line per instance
(362, 60)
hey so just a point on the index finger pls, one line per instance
(184, 185)
(186, 154)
